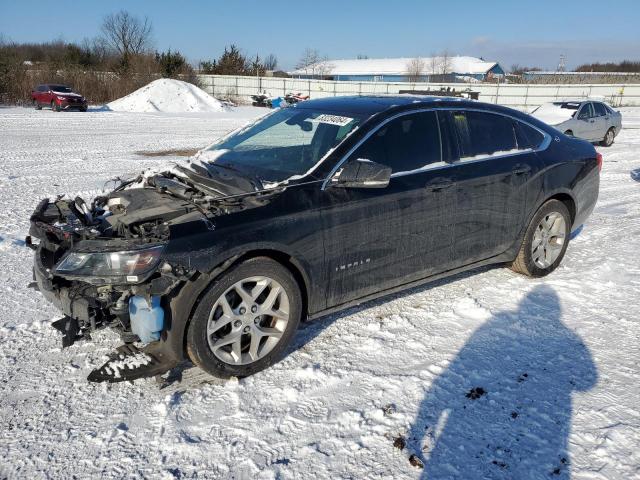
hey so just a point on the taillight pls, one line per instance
(599, 160)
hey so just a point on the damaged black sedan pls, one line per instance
(311, 209)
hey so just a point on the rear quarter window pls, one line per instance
(527, 137)
(599, 109)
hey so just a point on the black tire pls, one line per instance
(83, 109)
(198, 347)
(524, 262)
(37, 105)
(609, 137)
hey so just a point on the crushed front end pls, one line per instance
(102, 265)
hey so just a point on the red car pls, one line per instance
(58, 97)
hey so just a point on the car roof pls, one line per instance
(372, 104)
(580, 101)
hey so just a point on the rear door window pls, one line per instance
(599, 110)
(586, 111)
(407, 143)
(482, 134)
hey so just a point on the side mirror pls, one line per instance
(363, 173)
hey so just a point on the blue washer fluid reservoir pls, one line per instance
(146, 320)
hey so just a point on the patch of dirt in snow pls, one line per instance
(559, 355)
(167, 95)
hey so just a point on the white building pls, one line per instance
(424, 69)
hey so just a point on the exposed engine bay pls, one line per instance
(101, 263)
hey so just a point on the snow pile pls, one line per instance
(167, 95)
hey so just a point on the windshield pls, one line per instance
(287, 144)
(60, 89)
(568, 105)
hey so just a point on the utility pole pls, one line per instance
(561, 63)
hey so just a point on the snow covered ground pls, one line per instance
(485, 375)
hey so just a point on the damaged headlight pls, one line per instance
(129, 264)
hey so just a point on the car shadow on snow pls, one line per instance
(502, 408)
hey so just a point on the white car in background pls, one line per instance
(588, 119)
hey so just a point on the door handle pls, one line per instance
(521, 169)
(438, 184)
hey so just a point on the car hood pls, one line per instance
(553, 114)
(68, 94)
(146, 209)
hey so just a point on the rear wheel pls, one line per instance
(245, 320)
(545, 241)
(37, 105)
(608, 138)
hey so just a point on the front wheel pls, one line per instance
(245, 320)
(608, 138)
(545, 241)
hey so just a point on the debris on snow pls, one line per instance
(475, 393)
(415, 461)
(399, 442)
(389, 409)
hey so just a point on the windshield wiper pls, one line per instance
(233, 184)
(257, 184)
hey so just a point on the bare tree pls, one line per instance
(322, 68)
(415, 69)
(127, 34)
(445, 62)
(309, 58)
(434, 65)
(270, 62)
(440, 66)
(312, 63)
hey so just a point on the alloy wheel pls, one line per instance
(609, 137)
(248, 320)
(548, 239)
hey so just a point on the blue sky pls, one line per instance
(532, 33)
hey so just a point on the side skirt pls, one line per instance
(502, 258)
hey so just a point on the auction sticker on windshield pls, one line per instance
(333, 120)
